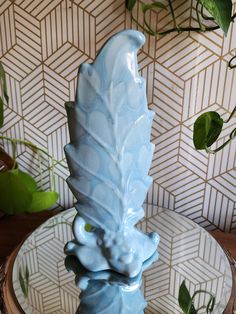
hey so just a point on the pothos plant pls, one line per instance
(186, 301)
(220, 16)
(211, 15)
(18, 189)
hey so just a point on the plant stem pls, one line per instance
(231, 115)
(181, 29)
(231, 65)
(186, 29)
(214, 151)
(26, 143)
(150, 31)
(53, 177)
(58, 223)
(33, 147)
(40, 169)
(198, 16)
(211, 303)
(208, 18)
(173, 14)
(14, 153)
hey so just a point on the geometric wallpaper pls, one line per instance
(42, 44)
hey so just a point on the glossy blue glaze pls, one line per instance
(108, 292)
(109, 156)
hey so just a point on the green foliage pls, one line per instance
(18, 190)
(43, 200)
(1, 112)
(145, 8)
(3, 85)
(18, 193)
(56, 222)
(130, 4)
(207, 129)
(15, 192)
(24, 281)
(186, 302)
(220, 11)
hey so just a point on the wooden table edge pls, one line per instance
(9, 298)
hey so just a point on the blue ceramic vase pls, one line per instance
(109, 156)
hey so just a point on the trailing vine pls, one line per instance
(209, 125)
(186, 301)
(18, 189)
(220, 15)
(232, 62)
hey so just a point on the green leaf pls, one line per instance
(1, 112)
(130, 4)
(15, 191)
(146, 7)
(185, 300)
(24, 282)
(29, 182)
(3, 78)
(207, 129)
(221, 11)
(43, 200)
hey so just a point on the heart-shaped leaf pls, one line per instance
(28, 181)
(207, 129)
(221, 11)
(185, 300)
(43, 200)
(15, 191)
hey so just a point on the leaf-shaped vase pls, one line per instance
(109, 156)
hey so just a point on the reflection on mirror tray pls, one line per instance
(107, 291)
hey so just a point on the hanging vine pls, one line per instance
(209, 125)
(220, 12)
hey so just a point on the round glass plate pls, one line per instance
(187, 252)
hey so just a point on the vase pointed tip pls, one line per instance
(138, 36)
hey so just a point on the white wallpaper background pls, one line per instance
(42, 44)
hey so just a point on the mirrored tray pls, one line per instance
(187, 252)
